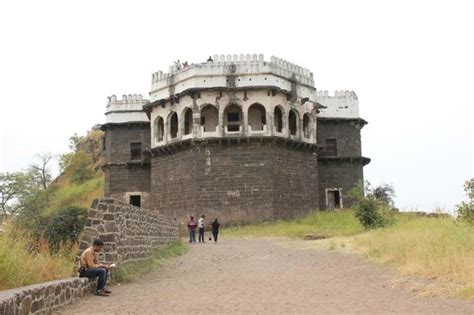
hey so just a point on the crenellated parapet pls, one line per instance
(237, 72)
(340, 104)
(126, 110)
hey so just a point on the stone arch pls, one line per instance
(159, 129)
(307, 126)
(209, 118)
(293, 118)
(278, 118)
(233, 117)
(188, 120)
(173, 125)
(257, 117)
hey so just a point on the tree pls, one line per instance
(13, 187)
(384, 192)
(41, 171)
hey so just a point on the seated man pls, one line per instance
(89, 267)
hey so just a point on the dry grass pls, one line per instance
(434, 248)
(20, 266)
(328, 223)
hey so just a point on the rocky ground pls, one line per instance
(264, 276)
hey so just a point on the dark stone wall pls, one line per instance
(118, 138)
(346, 169)
(337, 173)
(121, 174)
(346, 132)
(295, 183)
(235, 182)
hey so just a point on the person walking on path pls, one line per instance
(215, 229)
(192, 229)
(90, 268)
(201, 228)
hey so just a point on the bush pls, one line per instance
(465, 210)
(65, 226)
(375, 208)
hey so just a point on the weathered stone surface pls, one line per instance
(47, 296)
(129, 233)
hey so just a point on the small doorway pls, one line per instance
(334, 198)
(135, 200)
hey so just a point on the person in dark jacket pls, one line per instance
(215, 229)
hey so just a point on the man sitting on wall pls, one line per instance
(89, 268)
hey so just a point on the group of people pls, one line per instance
(192, 225)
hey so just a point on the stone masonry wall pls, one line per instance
(337, 173)
(44, 298)
(129, 233)
(346, 133)
(251, 180)
(123, 176)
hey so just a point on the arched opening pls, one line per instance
(209, 118)
(257, 117)
(306, 126)
(188, 121)
(233, 118)
(173, 123)
(159, 129)
(292, 122)
(278, 119)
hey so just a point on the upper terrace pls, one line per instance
(234, 71)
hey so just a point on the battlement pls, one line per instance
(248, 71)
(341, 104)
(126, 99)
(128, 109)
(337, 94)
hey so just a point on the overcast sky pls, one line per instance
(411, 64)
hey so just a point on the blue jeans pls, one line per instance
(100, 273)
(192, 236)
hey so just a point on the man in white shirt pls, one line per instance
(201, 228)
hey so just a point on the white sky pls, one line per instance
(410, 62)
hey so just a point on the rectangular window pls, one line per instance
(136, 200)
(331, 147)
(233, 117)
(135, 151)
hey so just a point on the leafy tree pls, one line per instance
(385, 193)
(465, 210)
(13, 188)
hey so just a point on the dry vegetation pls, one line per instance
(430, 247)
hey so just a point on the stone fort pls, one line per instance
(236, 137)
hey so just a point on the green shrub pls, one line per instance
(465, 210)
(65, 226)
(374, 209)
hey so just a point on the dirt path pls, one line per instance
(261, 276)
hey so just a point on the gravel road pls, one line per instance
(262, 276)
